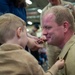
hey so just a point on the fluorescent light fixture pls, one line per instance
(27, 30)
(29, 2)
(29, 22)
(39, 10)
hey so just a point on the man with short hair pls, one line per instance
(58, 27)
(53, 51)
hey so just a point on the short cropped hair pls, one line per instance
(62, 14)
(8, 25)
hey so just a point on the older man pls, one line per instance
(53, 51)
(57, 26)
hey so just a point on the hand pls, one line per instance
(60, 64)
(42, 39)
(33, 44)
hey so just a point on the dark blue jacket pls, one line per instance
(6, 6)
(19, 11)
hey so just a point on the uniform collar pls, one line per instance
(66, 48)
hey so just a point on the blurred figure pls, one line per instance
(57, 2)
(14, 60)
(33, 32)
(16, 7)
(42, 55)
(4, 6)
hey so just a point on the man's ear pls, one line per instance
(66, 26)
(18, 32)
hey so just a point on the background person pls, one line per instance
(33, 32)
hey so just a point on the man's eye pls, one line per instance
(48, 27)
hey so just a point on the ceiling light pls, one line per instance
(39, 10)
(29, 22)
(27, 30)
(29, 2)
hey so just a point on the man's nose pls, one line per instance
(44, 31)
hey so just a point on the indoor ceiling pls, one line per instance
(32, 14)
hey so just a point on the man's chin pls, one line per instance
(50, 43)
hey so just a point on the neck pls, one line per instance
(11, 42)
(14, 41)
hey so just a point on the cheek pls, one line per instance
(57, 34)
(27, 39)
(60, 35)
(60, 31)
